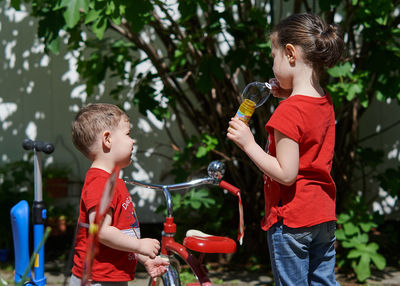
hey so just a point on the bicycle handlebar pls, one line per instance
(215, 171)
(167, 188)
(179, 186)
(232, 189)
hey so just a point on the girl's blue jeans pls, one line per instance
(303, 256)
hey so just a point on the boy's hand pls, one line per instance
(156, 267)
(149, 247)
(239, 133)
(277, 90)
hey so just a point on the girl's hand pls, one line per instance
(240, 133)
(277, 90)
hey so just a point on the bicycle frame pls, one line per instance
(169, 246)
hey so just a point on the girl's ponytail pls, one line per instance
(328, 47)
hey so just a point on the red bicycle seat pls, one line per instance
(210, 244)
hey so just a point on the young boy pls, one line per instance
(102, 133)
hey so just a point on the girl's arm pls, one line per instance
(116, 239)
(283, 168)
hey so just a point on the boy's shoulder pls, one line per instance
(94, 173)
(94, 185)
(95, 176)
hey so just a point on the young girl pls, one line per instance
(299, 191)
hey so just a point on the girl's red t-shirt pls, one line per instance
(108, 264)
(311, 200)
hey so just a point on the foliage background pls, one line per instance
(200, 54)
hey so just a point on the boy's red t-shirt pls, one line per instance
(311, 200)
(108, 264)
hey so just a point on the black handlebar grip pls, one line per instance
(28, 144)
(48, 148)
(39, 146)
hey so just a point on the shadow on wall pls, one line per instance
(40, 97)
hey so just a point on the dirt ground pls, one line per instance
(55, 276)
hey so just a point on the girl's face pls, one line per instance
(122, 144)
(281, 67)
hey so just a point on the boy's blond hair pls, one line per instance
(91, 121)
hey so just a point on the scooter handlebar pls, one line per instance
(39, 146)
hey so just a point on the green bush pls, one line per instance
(354, 236)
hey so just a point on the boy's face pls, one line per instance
(122, 144)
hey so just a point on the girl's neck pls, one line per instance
(307, 84)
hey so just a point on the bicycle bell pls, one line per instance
(216, 170)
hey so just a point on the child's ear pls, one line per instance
(106, 139)
(290, 53)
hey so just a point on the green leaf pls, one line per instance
(379, 260)
(380, 96)
(372, 247)
(340, 235)
(195, 204)
(74, 8)
(364, 102)
(354, 253)
(341, 70)
(110, 8)
(366, 226)
(176, 200)
(54, 46)
(342, 218)
(201, 152)
(362, 238)
(353, 90)
(350, 228)
(99, 27)
(362, 269)
(92, 16)
(382, 21)
(359, 241)
(116, 20)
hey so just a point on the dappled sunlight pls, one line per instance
(386, 204)
(144, 125)
(6, 110)
(13, 15)
(31, 131)
(71, 74)
(394, 154)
